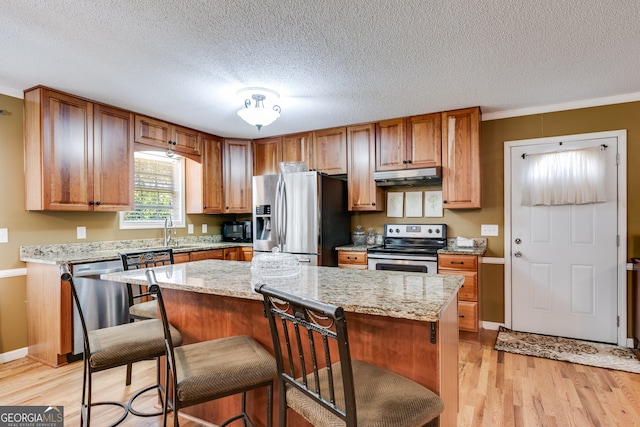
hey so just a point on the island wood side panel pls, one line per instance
(49, 329)
(400, 345)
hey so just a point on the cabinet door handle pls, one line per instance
(409, 161)
(98, 203)
(462, 315)
(91, 203)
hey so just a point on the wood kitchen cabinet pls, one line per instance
(330, 151)
(78, 154)
(267, 155)
(165, 135)
(204, 178)
(181, 257)
(269, 152)
(246, 253)
(232, 254)
(469, 293)
(363, 193)
(298, 148)
(227, 254)
(409, 143)
(461, 158)
(238, 175)
(353, 259)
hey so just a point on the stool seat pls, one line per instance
(221, 367)
(144, 310)
(131, 342)
(382, 398)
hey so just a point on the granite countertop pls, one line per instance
(478, 247)
(415, 296)
(75, 253)
(354, 248)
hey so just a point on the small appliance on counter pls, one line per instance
(237, 231)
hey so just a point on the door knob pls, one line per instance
(518, 241)
(518, 254)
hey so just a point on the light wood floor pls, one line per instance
(496, 389)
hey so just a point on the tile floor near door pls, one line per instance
(496, 389)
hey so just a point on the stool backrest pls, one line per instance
(154, 289)
(146, 258)
(307, 336)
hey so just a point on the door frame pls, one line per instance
(621, 135)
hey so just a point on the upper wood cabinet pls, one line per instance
(364, 194)
(238, 175)
(298, 148)
(165, 135)
(204, 178)
(408, 143)
(267, 155)
(330, 151)
(78, 154)
(461, 158)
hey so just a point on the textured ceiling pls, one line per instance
(334, 62)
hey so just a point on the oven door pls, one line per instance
(402, 263)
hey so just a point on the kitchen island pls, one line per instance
(404, 322)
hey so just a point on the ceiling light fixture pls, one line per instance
(258, 115)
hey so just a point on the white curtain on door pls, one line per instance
(571, 177)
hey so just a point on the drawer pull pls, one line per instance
(457, 262)
(462, 315)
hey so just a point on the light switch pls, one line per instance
(204, 228)
(190, 228)
(82, 232)
(4, 235)
(489, 230)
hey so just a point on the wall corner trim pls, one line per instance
(15, 272)
(13, 355)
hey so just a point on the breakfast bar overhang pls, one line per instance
(404, 322)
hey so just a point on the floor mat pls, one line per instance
(570, 350)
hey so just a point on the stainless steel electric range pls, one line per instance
(409, 247)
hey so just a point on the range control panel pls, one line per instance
(422, 231)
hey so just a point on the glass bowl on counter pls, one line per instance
(274, 267)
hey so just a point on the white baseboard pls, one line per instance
(492, 326)
(13, 355)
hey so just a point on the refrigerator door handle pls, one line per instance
(278, 206)
(283, 201)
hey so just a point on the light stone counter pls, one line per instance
(75, 253)
(414, 296)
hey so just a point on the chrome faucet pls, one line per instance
(168, 223)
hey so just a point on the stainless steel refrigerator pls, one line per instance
(302, 213)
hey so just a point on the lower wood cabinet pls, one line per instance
(246, 254)
(469, 293)
(353, 259)
(179, 258)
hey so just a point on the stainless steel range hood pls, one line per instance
(409, 177)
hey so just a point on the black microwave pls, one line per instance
(236, 231)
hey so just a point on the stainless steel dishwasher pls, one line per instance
(103, 303)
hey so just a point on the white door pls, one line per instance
(564, 259)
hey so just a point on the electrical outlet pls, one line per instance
(4, 235)
(190, 228)
(81, 232)
(204, 228)
(489, 230)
